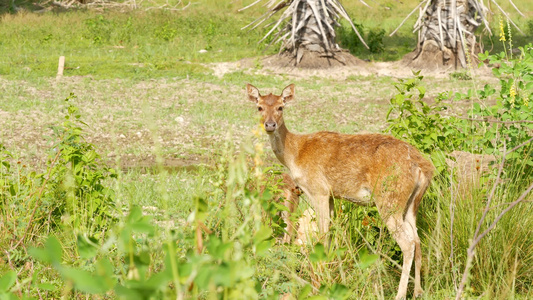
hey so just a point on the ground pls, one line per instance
(132, 122)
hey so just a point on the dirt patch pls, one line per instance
(314, 60)
(432, 58)
(335, 69)
(151, 164)
(186, 122)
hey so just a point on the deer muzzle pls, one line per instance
(270, 126)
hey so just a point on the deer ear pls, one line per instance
(253, 93)
(288, 93)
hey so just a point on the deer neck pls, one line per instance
(282, 143)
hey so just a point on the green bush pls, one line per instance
(71, 192)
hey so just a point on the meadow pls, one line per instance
(142, 172)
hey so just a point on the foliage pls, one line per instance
(424, 125)
(513, 109)
(373, 37)
(71, 193)
(76, 182)
(217, 253)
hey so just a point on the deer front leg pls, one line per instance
(291, 194)
(323, 205)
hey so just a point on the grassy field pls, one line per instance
(154, 181)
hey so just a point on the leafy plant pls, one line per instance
(375, 40)
(423, 125)
(76, 185)
(502, 129)
(98, 29)
(509, 122)
(70, 192)
(166, 32)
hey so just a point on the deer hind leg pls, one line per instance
(410, 219)
(404, 235)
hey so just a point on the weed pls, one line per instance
(70, 193)
(461, 75)
(166, 32)
(374, 40)
(98, 29)
(488, 129)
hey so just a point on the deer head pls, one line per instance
(270, 106)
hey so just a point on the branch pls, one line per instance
(508, 17)
(412, 12)
(477, 237)
(496, 121)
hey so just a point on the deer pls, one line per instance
(367, 169)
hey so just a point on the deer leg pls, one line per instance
(323, 208)
(418, 263)
(321, 205)
(410, 219)
(405, 237)
(291, 202)
(291, 194)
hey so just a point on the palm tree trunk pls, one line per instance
(312, 29)
(306, 27)
(446, 33)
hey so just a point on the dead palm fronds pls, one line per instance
(451, 25)
(303, 24)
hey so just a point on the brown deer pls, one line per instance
(363, 168)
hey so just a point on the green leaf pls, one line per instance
(7, 281)
(366, 260)
(128, 294)
(86, 281)
(421, 90)
(143, 227)
(47, 286)
(319, 254)
(262, 234)
(339, 291)
(305, 291)
(87, 246)
(135, 214)
(317, 297)
(51, 253)
(263, 246)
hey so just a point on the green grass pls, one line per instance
(159, 43)
(116, 45)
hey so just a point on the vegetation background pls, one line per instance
(142, 173)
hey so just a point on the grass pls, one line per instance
(158, 43)
(176, 132)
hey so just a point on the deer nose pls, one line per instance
(270, 126)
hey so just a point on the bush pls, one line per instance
(71, 192)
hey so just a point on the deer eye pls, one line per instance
(259, 108)
(280, 108)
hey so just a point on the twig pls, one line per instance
(401, 24)
(507, 16)
(477, 237)
(510, 1)
(496, 121)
